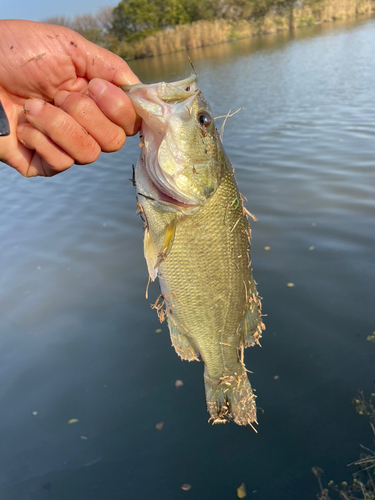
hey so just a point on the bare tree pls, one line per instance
(59, 20)
(105, 18)
(94, 27)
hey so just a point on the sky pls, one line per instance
(40, 9)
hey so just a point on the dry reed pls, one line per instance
(203, 33)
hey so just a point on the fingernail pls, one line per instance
(60, 97)
(128, 78)
(33, 106)
(97, 87)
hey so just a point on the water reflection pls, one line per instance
(172, 66)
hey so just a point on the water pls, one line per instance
(78, 337)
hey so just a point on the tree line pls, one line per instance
(132, 20)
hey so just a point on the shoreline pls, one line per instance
(205, 33)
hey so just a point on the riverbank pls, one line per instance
(204, 33)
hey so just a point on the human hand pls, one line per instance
(60, 93)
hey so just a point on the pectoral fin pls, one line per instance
(155, 253)
(169, 234)
(184, 345)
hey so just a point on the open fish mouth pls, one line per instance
(168, 120)
(168, 92)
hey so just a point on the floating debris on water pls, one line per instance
(276, 377)
(35, 413)
(241, 491)
(158, 330)
(371, 337)
(95, 461)
(311, 248)
(267, 248)
(73, 421)
(83, 437)
(179, 383)
(159, 426)
(290, 285)
(186, 487)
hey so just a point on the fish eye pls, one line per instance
(204, 119)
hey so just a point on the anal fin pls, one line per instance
(184, 345)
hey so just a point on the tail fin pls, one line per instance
(231, 398)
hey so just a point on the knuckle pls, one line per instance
(125, 114)
(23, 170)
(39, 141)
(80, 106)
(114, 141)
(133, 127)
(90, 150)
(128, 119)
(61, 124)
(65, 163)
(56, 163)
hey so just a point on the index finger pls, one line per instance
(93, 61)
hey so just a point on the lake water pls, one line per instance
(78, 339)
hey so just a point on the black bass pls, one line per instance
(197, 241)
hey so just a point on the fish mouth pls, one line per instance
(161, 161)
(166, 200)
(178, 91)
(159, 186)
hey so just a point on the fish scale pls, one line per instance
(214, 289)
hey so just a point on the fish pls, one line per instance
(197, 242)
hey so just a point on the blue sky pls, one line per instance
(35, 10)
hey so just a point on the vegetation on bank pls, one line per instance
(144, 28)
(362, 484)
